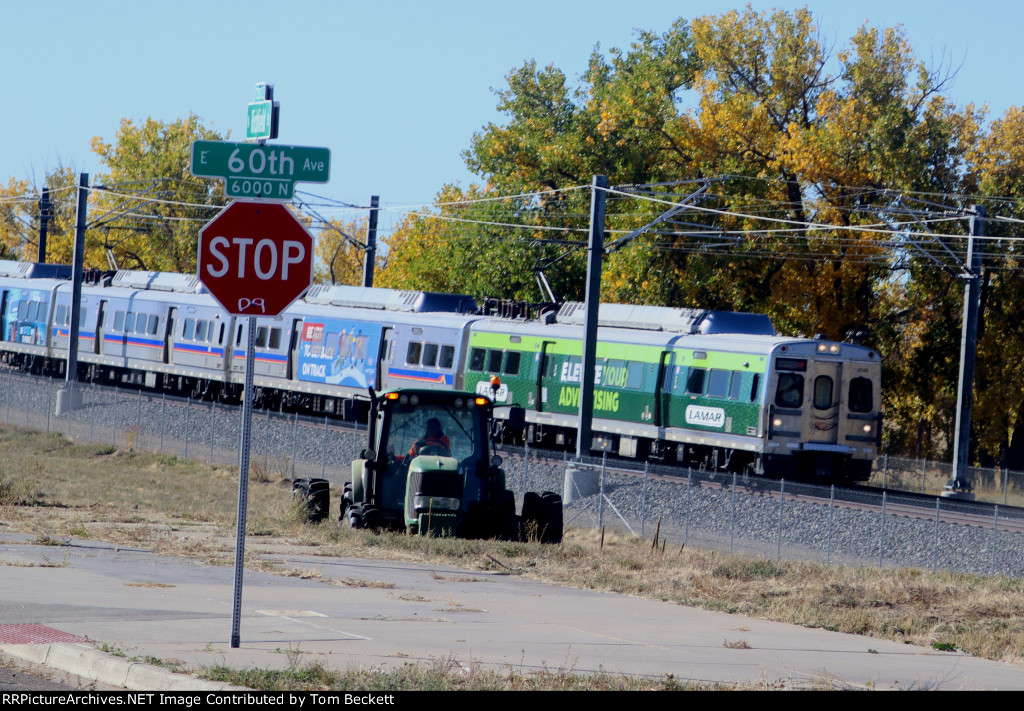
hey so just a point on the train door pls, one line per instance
(97, 341)
(540, 397)
(293, 349)
(169, 336)
(384, 359)
(663, 389)
(826, 393)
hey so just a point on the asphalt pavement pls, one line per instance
(100, 611)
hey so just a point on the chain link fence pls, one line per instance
(767, 518)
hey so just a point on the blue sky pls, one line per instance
(394, 89)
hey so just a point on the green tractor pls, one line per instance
(429, 470)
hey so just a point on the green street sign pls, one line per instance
(260, 125)
(255, 171)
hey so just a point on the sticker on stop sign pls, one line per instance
(255, 258)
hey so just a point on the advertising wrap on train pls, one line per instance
(339, 352)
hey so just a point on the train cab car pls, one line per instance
(823, 409)
(26, 308)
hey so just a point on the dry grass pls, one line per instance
(59, 491)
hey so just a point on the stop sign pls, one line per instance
(255, 258)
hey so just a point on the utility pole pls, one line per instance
(595, 257)
(370, 257)
(67, 397)
(968, 347)
(45, 215)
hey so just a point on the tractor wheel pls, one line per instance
(346, 502)
(354, 518)
(534, 519)
(553, 513)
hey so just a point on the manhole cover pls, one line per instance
(35, 634)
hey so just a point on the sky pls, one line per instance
(394, 89)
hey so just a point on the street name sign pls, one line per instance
(261, 172)
(255, 258)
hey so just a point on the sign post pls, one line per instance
(255, 259)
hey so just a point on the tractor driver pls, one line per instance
(433, 437)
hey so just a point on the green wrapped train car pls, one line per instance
(750, 403)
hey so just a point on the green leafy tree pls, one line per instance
(152, 208)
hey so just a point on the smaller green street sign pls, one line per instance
(255, 171)
(260, 125)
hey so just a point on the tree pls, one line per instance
(152, 208)
(340, 252)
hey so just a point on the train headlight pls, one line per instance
(777, 422)
(822, 348)
(867, 428)
(834, 348)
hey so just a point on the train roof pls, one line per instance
(668, 319)
(755, 344)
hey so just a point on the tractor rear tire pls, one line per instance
(552, 532)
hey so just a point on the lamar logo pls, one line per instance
(705, 416)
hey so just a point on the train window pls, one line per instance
(822, 392)
(220, 335)
(275, 338)
(412, 356)
(430, 354)
(447, 356)
(62, 315)
(860, 395)
(140, 323)
(154, 325)
(718, 383)
(754, 387)
(695, 381)
(735, 385)
(476, 359)
(494, 360)
(634, 376)
(261, 336)
(201, 326)
(119, 320)
(238, 336)
(512, 362)
(790, 392)
(188, 331)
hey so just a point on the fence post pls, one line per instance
(732, 515)
(323, 453)
(138, 422)
(828, 535)
(295, 433)
(643, 500)
(92, 420)
(995, 531)
(778, 540)
(885, 470)
(1005, 476)
(113, 428)
(689, 481)
(935, 545)
(188, 407)
(48, 389)
(163, 425)
(526, 463)
(881, 533)
(213, 412)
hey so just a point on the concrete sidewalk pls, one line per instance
(141, 605)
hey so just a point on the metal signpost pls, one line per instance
(255, 258)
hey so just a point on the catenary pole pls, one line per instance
(968, 346)
(595, 257)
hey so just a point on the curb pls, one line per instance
(86, 661)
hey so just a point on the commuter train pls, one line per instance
(709, 389)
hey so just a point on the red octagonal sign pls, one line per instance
(255, 258)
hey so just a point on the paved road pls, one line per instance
(144, 604)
